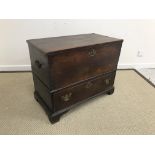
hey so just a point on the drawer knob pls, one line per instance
(38, 64)
(92, 52)
(89, 84)
(66, 97)
(107, 81)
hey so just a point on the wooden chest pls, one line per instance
(70, 69)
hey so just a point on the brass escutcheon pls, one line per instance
(107, 81)
(66, 97)
(89, 84)
(92, 52)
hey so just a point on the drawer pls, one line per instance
(71, 95)
(82, 63)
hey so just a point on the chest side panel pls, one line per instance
(39, 64)
(82, 63)
(43, 91)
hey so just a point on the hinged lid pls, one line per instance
(48, 45)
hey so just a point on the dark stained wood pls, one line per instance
(53, 118)
(111, 91)
(78, 64)
(49, 45)
(43, 71)
(68, 96)
(43, 91)
(71, 69)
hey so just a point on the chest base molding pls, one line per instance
(55, 117)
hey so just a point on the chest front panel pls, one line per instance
(81, 63)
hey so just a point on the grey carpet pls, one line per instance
(130, 110)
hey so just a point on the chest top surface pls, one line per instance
(54, 44)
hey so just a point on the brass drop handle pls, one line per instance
(89, 84)
(92, 52)
(66, 97)
(107, 81)
(38, 64)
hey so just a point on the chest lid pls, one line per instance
(55, 44)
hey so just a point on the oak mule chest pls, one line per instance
(70, 69)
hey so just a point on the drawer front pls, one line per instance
(80, 64)
(71, 95)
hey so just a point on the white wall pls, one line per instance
(138, 35)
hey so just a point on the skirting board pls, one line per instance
(15, 67)
(135, 65)
(120, 66)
